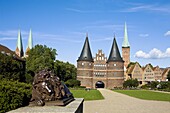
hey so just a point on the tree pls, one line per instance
(11, 68)
(130, 83)
(168, 76)
(65, 70)
(40, 57)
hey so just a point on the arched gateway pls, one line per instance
(100, 84)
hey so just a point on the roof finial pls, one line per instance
(114, 35)
(86, 34)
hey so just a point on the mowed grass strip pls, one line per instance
(146, 94)
(87, 95)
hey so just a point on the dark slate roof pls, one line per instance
(114, 53)
(86, 52)
(7, 51)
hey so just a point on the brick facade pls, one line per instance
(126, 55)
(110, 73)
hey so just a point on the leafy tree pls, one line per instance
(65, 71)
(168, 76)
(40, 57)
(131, 63)
(130, 83)
(11, 68)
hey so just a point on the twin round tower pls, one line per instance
(100, 72)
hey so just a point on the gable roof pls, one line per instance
(5, 50)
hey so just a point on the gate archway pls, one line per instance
(99, 84)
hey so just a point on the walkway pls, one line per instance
(119, 103)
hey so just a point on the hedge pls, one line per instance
(13, 94)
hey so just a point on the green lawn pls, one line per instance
(146, 94)
(87, 95)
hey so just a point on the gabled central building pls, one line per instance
(100, 72)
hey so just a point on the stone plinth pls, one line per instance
(75, 106)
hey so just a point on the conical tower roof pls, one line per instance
(125, 41)
(19, 44)
(86, 52)
(114, 53)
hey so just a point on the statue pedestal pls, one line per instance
(75, 106)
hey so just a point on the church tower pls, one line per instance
(85, 65)
(115, 67)
(30, 44)
(126, 48)
(19, 49)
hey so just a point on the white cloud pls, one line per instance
(13, 35)
(7, 38)
(143, 35)
(105, 26)
(167, 33)
(146, 7)
(83, 11)
(153, 54)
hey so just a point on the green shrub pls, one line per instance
(72, 83)
(145, 86)
(13, 94)
(154, 84)
(130, 83)
(164, 86)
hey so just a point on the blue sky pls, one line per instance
(63, 24)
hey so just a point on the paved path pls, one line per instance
(119, 103)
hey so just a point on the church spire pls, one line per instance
(19, 49)
(114, 53)
(86, 52)
(30, 43)
(125, 41)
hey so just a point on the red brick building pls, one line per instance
(99, 71)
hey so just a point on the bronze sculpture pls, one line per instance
(49, 90)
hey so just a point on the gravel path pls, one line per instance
(119, 103)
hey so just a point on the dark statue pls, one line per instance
(49, 90)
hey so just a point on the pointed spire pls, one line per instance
(30, 42)
(125, 41)
(86, 52)
(19, 48)
(114, 53)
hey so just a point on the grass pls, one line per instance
(146, 94)
(87, 95)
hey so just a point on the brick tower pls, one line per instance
(126, 48)
(115, 67)
(85, 66)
